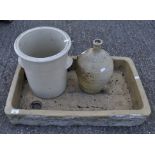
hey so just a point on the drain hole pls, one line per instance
(35, 105)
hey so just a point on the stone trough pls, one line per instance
(122, 103)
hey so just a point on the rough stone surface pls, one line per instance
(135, 39)
(115, 97)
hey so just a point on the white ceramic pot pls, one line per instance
(43, 53)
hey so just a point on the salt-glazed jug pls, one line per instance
(94, 68)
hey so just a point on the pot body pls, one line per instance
(94, 69)
(43, 53)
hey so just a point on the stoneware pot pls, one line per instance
(43, 53)
(94, 68)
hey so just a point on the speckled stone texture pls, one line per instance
(135, 39)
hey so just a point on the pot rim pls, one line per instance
(45, 59)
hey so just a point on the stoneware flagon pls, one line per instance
(43, 53)
(94, 68)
